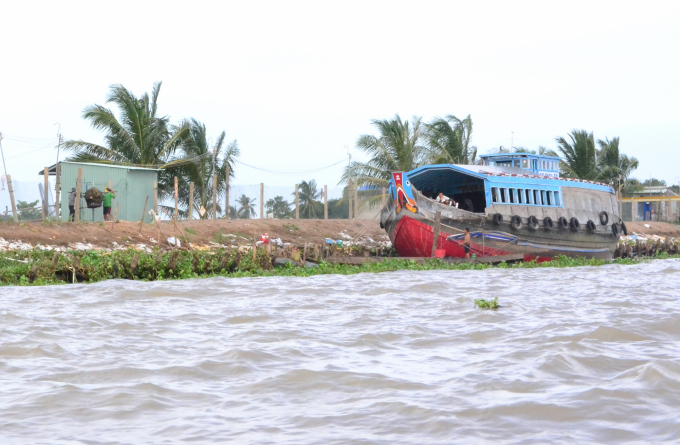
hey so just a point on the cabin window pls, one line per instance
(528, 196)
(504, 195)
(513, 196)
(557, 199)
(520, 196)
(494, 194)
(537, 197)
(525, 163)
(548, 198)
(543, 197)
(516, 163)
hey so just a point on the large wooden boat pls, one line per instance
(512, 203)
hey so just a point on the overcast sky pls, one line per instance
(296, 82)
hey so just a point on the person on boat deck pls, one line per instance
(453, 203)
(466, 243)
(443, 199)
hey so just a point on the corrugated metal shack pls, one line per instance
(131, 184)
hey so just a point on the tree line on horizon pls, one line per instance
(140, 136)
(403, 145)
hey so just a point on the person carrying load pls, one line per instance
(108, 196)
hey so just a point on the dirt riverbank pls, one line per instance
(366, 233)
(201, 233)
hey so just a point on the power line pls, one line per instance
(289, 173)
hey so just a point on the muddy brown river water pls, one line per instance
(577, 355)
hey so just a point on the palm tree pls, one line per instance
(579, 155)
(233, 212)
(138, 137)
(615, 167)
(247, 209)
(308, 195)
(198, 165)
(449, 140)
(397, 148)
(279, 207)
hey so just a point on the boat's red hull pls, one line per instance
(413, 238)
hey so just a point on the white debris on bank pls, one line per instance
(634, 237)
(14, 245)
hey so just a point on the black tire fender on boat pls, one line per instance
(574, 224)
(604, 218)
(562, 221)
(548, 223)
(516, 222)
(623, 229)
(615, 229)
(532, 222)
(498, 219)
(590, 225)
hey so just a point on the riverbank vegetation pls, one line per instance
(44, 267)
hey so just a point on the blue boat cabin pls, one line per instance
(540, 165)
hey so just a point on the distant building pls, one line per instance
(657, 203)
(132, 186)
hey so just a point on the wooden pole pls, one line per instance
(190, 215)
(437, 229)
(226, 192)
(176, 197)
(297, 203)
(633, 210)
(669, 218)
(57, 189)
(349, 197)
(356, 199)
(46, 190)
(115, 217)
(10, 188)
(79, 186)
(261, 200)
(143, 212)
(155, 197)
(325, 202)
(383, 197)
(214, 198)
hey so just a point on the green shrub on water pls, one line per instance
(487, 304)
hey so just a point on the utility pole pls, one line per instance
(3, 155)
(60, 140)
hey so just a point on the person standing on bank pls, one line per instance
(108, 196)
(466, 243)
(72, 205)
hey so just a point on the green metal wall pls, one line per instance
(132, 186)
